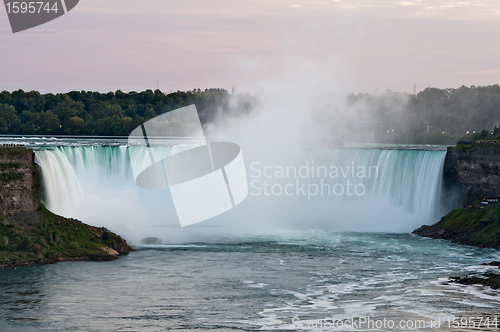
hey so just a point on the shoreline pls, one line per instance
(475, 225)
(85, 258)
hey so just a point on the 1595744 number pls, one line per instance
(35, 7)
(473, 322)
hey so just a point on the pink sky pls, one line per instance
(363, 46)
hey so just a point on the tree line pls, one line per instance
(433, 116)
(106, 114)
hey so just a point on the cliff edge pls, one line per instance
(475, 225)
(472, 171)
(30, 234)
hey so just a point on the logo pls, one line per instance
(24, 15)
(205, 179)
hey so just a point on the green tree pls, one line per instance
(69, 108)
(50, 122)
(484, 134)
(75, 125)
(12, 121)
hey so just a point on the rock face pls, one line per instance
(18, 180)
(473, 174)
(116, 242)
(110, 251)
(30, 234)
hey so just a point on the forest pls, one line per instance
(432, 116)
(105, 114)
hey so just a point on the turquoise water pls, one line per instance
(274, 263)
(95, 184)
(251, 283)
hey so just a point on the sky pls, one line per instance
(364, 46)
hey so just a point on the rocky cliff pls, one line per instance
(475, 225)
(30, 234)
(18, 181)
(473, 172)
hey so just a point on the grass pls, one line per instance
(15, 150)
(474, 146)
(8, 177)
(50, 237)
(6, 166)
(469, 225)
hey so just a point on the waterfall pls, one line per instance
(62, 191)
(411, 179)
(95, 184)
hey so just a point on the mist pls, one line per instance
(289, 127)
(302, 114)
